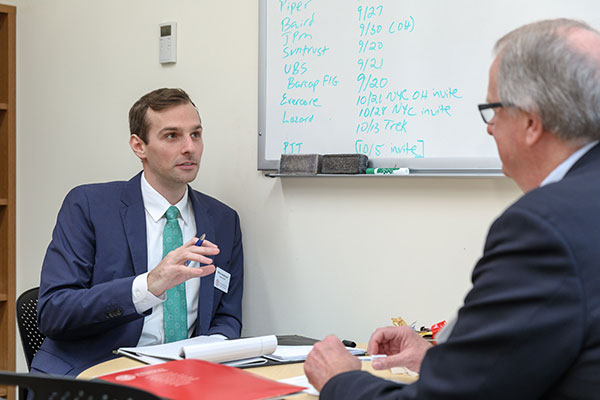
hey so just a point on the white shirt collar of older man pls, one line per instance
(559, 172)
(157, 205)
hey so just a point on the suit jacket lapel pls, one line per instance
(134, 221)
(204, 224)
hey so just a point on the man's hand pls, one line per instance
(404, 348)
(172, 269)
(328, 359)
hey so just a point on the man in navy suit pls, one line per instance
(530, 326)
(104, 280)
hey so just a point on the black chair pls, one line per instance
(31, 337)
(50, 387)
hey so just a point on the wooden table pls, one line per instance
(274, 372)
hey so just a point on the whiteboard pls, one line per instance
(397, 80)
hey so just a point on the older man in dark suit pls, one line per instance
(530, 326)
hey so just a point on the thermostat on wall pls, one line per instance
(167, 48)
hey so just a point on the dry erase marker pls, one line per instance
(387, 171)
(198, 243)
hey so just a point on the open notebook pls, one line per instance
(236, 352)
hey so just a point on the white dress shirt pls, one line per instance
(155, 206)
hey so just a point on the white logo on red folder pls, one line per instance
(126, 377)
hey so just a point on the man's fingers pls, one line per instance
(203, 271)
(208, 243)
(331, 340)
(173, 271)
(191, 252)
(195, 257)
(382, 363)
(378, 340)
(389, 362)
(207, 251)
(373, 347)
(211, 250)
(205, 243)
(374, 341)
(188, 273)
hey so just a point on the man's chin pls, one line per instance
(186, 176)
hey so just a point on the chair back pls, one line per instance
(31, 337)
(62, 387)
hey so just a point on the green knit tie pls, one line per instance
(175, 307)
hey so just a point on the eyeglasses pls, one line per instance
(487, 111)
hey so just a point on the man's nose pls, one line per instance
(188, 145)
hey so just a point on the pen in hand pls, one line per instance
(198, 243)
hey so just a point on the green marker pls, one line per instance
(387, 171)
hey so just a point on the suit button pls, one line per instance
(114, 313)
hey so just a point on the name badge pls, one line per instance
(222, 278)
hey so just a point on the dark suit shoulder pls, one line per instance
(569, 198)
(98, 189)
(97, 200)
(572, 194)
(109, 193)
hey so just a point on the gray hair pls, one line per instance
(542, 72)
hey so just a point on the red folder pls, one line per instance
(197, 379)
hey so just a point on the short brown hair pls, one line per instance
(157, 100)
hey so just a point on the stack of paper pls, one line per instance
(238, 351)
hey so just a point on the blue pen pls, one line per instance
(198, 243)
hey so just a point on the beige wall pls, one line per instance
(323, 256)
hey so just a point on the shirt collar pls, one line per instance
(559, 172)
(156, 205)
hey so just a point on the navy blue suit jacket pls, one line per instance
(530, 326)
(98, 247)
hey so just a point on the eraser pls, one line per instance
(300, 164)
(344, 164)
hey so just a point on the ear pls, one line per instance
(138, 146)
(534, 129)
